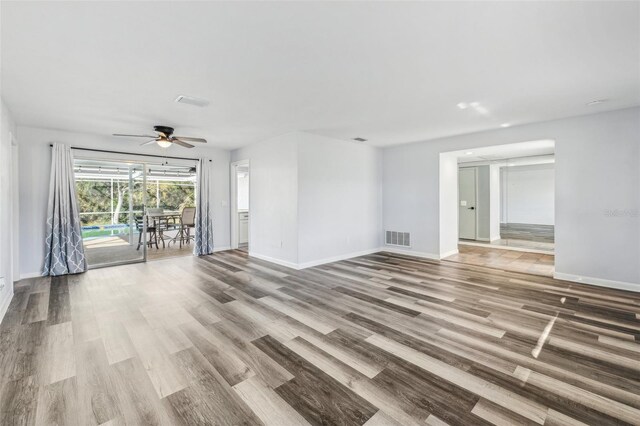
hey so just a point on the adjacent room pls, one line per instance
(319, 213)
(506, 212)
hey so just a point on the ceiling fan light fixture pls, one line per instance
(163, 143)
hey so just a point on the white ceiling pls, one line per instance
(388, 72)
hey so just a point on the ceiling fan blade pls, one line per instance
(184, 138)
(149, 142)
(135, 136)
(181, 143)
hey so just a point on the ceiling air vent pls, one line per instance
(359, 139)
(395, 238)
(191, 100)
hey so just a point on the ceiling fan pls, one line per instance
(165, 138)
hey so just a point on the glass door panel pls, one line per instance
(111, 200)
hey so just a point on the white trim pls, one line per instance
(494, 238)
(28, 275)
(499, 247)
(5, 304)
(483, 239)
(447, 254)
(620, 285)
(337, 258)
(311, 264)
(225, 248)
(274, 260)
(411, 253)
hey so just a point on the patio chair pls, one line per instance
(187, 221)
(164, 224)
(151, 232)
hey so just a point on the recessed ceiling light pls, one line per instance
(505, 125)
(469, 152)
(463, 105)
(596, 102)
(474, 104)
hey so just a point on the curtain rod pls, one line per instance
(131, 153)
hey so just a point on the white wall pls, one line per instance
(483, 203)
(35, 163)
(494, 202)
(8, 219)
(313, 199)
(597, 194)
(273, 192)
(529, 194)
(339, 198)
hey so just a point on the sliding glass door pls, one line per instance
(111, 198)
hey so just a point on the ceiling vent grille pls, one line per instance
(190, 100)
(395, 238)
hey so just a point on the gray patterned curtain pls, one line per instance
(204, 219)
(65, 253)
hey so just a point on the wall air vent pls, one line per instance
(395, 238)
(191, 100)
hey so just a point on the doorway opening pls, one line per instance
(504, 206)
(240, 213)
(134, 211)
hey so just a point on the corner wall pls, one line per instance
(597, 182)
(313, 199)
(339, 199)
(273, 198)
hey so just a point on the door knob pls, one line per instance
(472, 208)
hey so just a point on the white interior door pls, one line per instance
(467, 203)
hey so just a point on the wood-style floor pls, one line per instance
(379, 340)
(528, 232)
(507, 260)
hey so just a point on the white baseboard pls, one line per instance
(423, 255)
(225, 248)
(27, 275)
(4, 304)
(311, 264)
(494, 238)
(448, 253)
(484, 239)
(337, 258)
(274, 260)
(620, 285)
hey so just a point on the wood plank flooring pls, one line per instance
(382, 339)
(526, 231)
(507, 260)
